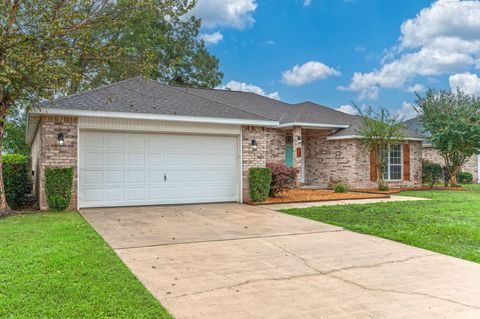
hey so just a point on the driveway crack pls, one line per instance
(330, 274)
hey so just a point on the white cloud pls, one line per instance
(441, 39)
(225, 13)
(308, 72)
(306, 3)
(245, 87)
(369, 94)
(212, 38)
(416, 88)
(347, 108)
(467, 82)
(407, 111)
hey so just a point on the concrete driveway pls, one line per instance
(238, 261)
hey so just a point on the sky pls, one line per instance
(335, 52)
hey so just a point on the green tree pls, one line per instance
(51, 48)
(379, 130)
(453, 120)
(15, 125)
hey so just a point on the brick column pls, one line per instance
(54, 155)
(253, 156)
(297, 153)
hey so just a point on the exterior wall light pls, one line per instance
(254, 144)
(61, 139)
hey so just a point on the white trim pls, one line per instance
(78, 167)
(402, 163)
(313, 125)
(148, 116)
(240, 152)
(348, 137)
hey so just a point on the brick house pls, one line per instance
(140, 142)
(431, 154)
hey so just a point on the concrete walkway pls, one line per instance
(238, 261)
(393, 198)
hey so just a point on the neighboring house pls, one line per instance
(431, 154)
(140, 142)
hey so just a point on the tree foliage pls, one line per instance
(379, 130)
(15, 126)
(453, 120)
(51, 48)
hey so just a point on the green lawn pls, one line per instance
(54, 265)
(448, 224)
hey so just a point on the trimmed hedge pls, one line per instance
(283, 178)
(259, 180)
(58, 187)
(340, 188)
(432, 173)
(17, 179)
(465, 178)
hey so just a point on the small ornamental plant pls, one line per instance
(58, 187)
(340, 188)
(283, 178)
(259, 179)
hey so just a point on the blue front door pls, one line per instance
(289, 155)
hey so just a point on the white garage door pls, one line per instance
(128, 169)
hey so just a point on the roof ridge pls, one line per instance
(222, 103)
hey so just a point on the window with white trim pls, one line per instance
(394, 160)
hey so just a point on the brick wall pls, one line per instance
(252, 157)
(348, 161)
(430, 154)
(276, 145)
(50, 154)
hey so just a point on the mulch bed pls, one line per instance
(316, 195)
(398, 190)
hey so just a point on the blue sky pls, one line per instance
(332, 52)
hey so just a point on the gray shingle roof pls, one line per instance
(138, 95)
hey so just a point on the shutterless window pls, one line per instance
(394, 162)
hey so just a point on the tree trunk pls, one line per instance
(453, 176)
(4, 209)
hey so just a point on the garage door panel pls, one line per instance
(93, 178)
(156, 193)
(154, 159)
(121, 169)
(135, 159)
(92, 159)
(114, 177)
(136, 177)
(114, 159)
(114, 194)
(114, 140)
(135, 141)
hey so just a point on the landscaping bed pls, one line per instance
(316, 195)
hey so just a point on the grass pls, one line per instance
(54, 265)
(448, 224)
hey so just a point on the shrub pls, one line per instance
(259, 180)
(465, 178)
(384, 188)
(17, 179)
(431, 173)
(58, 187)
(283, 177)
(340, 188)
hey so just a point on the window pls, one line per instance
(394, 162)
